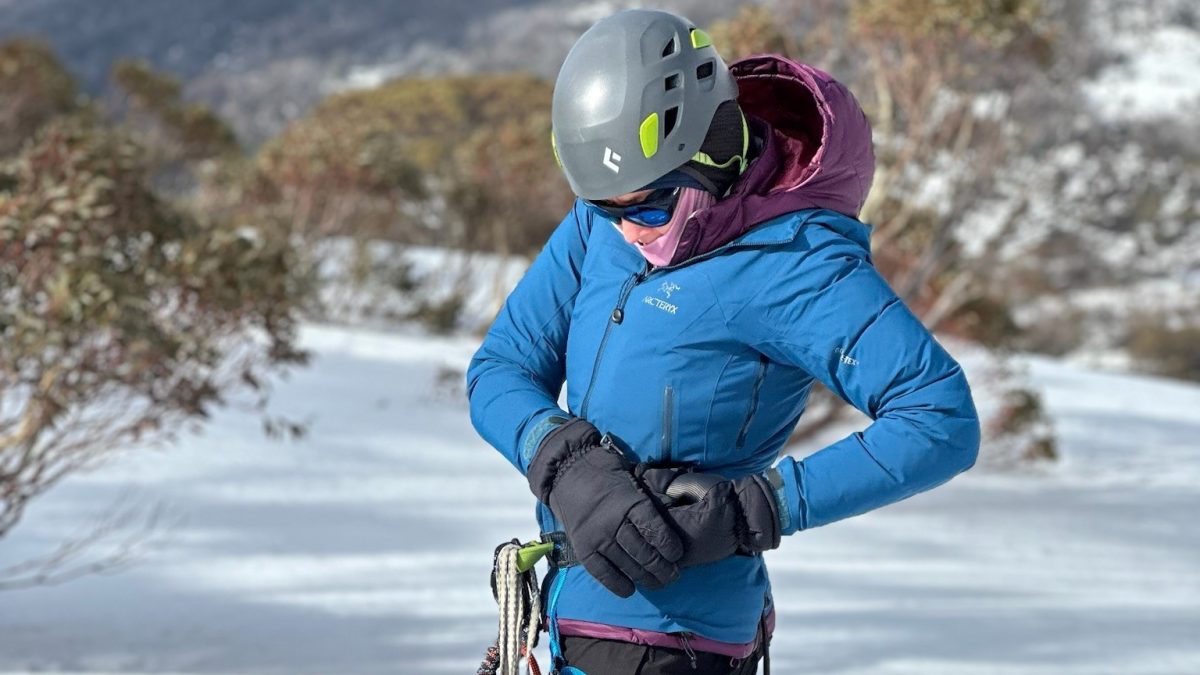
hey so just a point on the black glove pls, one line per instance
(716, 518)
(616, 528)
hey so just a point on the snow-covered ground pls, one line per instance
(365, 547)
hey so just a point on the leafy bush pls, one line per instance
(36, 88)
(177, 131)
(122, 316)
(462, 161)
(754, 29)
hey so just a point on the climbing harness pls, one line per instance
(765, 644)
(516, 590)
(561, 556)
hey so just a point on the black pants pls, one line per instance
(611, 657)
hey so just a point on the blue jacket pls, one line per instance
(710, 362)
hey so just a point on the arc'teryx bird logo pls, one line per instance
(667, 288)
(611, 160)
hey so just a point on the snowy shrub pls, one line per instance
(1017, 430)
(985, 319)
(1056, 337)
(1164, 345)
(440, 315)
(1020, 430)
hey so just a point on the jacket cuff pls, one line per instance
(539, 428)
(786, 482)
(565, 443)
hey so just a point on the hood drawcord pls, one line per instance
(687, 648)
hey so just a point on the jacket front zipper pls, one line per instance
(617, 316)
(618, 312)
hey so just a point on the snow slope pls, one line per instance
(365, 547)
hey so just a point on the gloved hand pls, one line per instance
(717, 518)
(616, 528)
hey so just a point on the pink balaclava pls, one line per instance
(660, 251)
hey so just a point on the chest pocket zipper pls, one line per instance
(759, 376)
(668, 424)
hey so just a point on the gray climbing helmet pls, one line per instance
(634, 100)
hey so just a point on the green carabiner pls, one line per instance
(532, 552)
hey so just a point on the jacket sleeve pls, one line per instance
(832, 314)
(515, 377)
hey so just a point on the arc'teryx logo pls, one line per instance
(611, 160)
(667, 288)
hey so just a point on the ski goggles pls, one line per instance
(653, 211)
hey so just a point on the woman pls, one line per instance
(710, 272)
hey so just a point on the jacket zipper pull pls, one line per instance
(639, 277)
(687, 649)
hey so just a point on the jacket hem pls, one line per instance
(651, 638)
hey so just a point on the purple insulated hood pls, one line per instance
(817, 153)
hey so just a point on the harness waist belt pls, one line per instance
(562, 555)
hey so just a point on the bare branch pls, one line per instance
(124, 533)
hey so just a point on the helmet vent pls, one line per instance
(672, 82)
(704, 70)
(670, 48)
(669, 119)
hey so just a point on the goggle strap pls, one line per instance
(707, 160)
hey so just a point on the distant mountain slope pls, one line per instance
(259, 62)
(263, 62)
(193, 38)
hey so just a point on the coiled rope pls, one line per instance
(515, 588)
